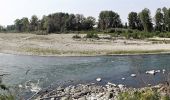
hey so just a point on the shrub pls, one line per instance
(76, 36)
(147, 94)
(92, 35)
(41, 33)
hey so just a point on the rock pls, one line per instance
(133, 75)
(65, 98)
(111, 84)
(157, 71)
(109, 95)
(123, 78)
(121, 86)
(149, 85)
(98, 79)
(152, 72)
(163, 71)
(82, 98)
(20, 86)
(52, 99)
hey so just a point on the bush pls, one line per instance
(147, 94)
(92, 35)
(76, 36)
(164, 35)
(41, 33)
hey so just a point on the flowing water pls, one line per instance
(41, 72)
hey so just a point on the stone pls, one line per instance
(123, 78)
(98, 79)
(133, 75)
(152, 72)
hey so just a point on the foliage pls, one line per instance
(147, 94)
(140, 25)
(5, 93)
(109, 19)
(134, 21)
(76, 36)
(92, 35)
(146, 20)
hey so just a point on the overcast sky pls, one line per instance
(13, 9)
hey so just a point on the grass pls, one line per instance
(50, 51)
(41, 51)
(136, 52)
(147, 94)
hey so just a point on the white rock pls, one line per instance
(152, 72)
(111, 84)
(133, 75)
(157, 71)
(52, 99)
(121, 86)
(123, 78)
(163, 71)
(98, 79)
(20, 86)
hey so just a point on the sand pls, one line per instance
(65, 45)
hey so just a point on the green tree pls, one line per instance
(133, 20)
(34, 23)
(18, 25)
(88, 23)
(146, 20)
(159, 19)
(24, 24)
(109, 19)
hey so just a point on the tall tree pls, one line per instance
(18, 25)
(159, 19)
(25, 24)
(133, 20)
(109, 19)
(146, 20)
(34, 23)
(88, 23)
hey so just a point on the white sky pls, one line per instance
(13, 9)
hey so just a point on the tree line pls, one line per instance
(64, 22)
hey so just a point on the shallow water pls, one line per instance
(62, 70)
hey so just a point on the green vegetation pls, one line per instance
(5, 93)
(92, 35)
(135, 52)
(76, 36)
(140, 24)
(147, 94)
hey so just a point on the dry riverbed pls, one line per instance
(65, 45)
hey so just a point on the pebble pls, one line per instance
(123, 78)
(152, 72)
(163, 71)
(98, 79)
(133, 75)
(121, 86)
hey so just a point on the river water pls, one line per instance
(63, 70)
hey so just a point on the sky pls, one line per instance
(13, 9)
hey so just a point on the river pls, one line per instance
(53, 71)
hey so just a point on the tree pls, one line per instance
(18, 25)
(43, 23)
(109, 19)
(70, 24)
(34, 23)
(159, 19)
(146, 20)
(133, 20)
(88, 23)
(24, 24)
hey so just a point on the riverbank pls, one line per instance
(108, 92)
(65, 45)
